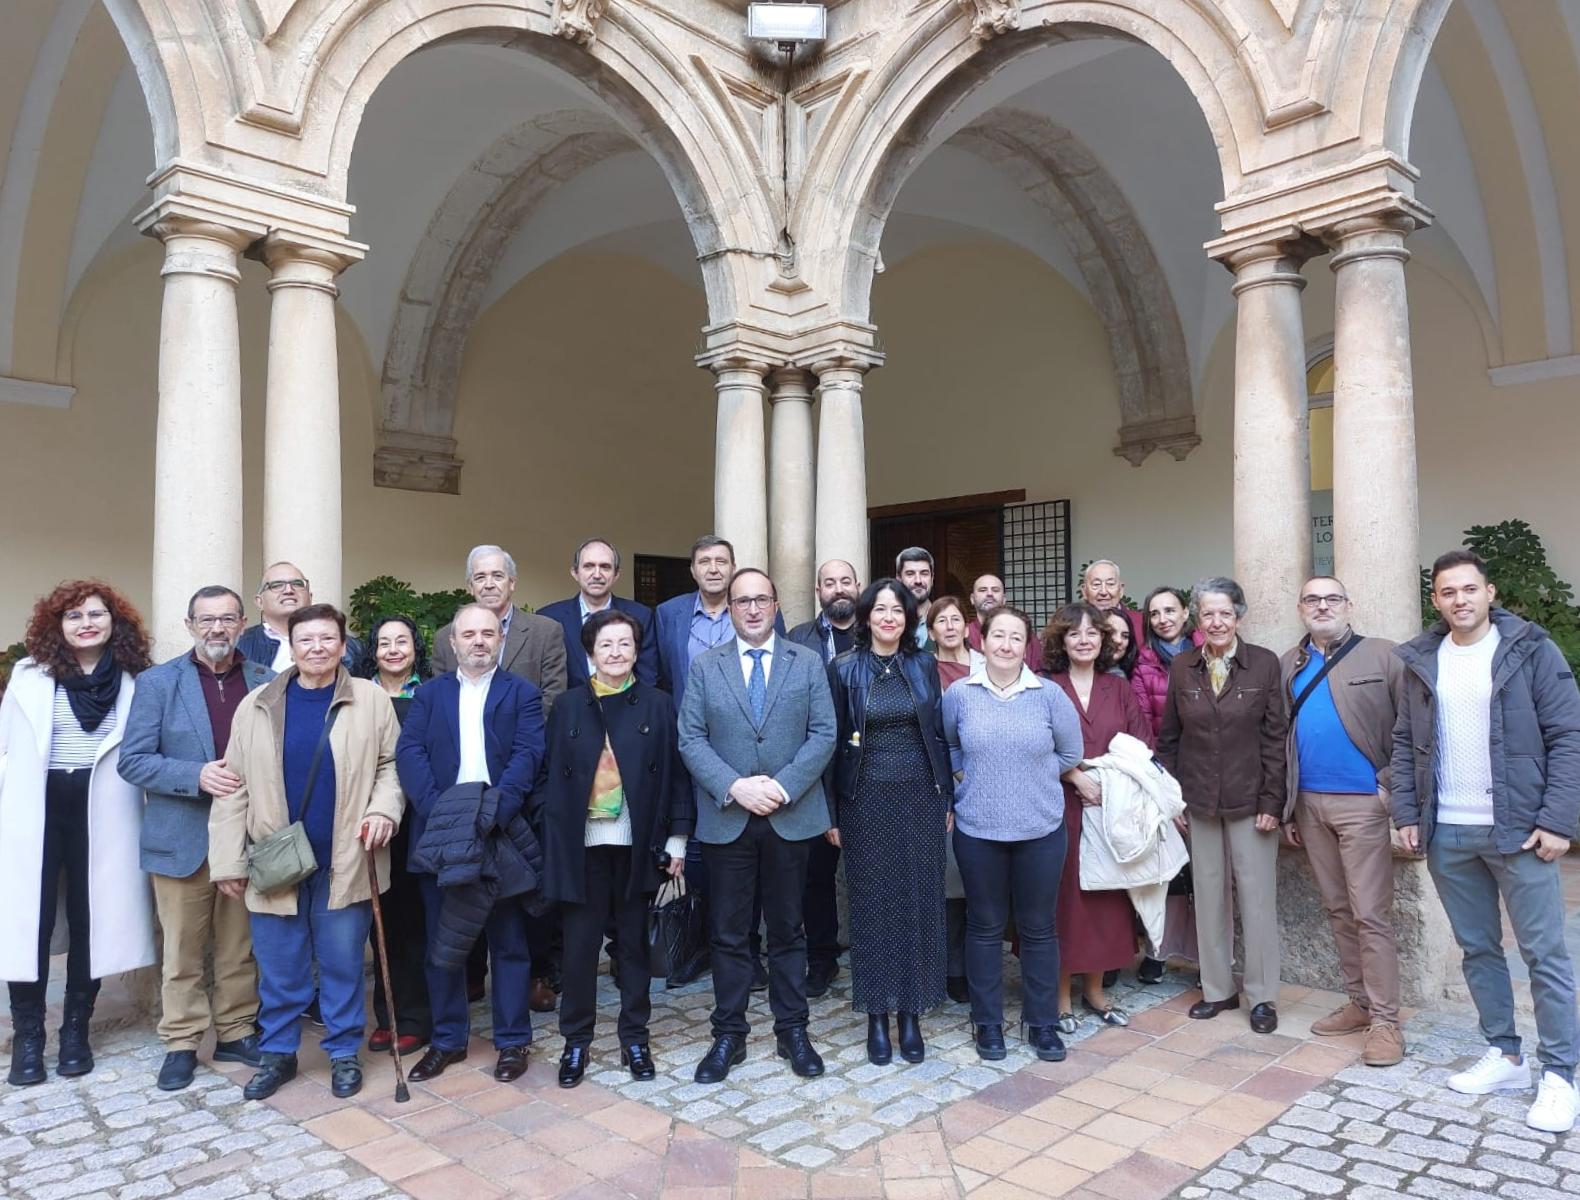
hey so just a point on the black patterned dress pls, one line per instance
(892, 830)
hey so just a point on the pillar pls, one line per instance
(791, 498)
(1376, 515)
(740, 492)
(841, 467)
(1272, 469)
(301, 439)
(197, 455)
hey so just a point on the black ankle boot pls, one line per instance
(76, 1056)
(27, 1045)
(912, 1049)
(879, 1050)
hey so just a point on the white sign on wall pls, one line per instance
(1322, 532)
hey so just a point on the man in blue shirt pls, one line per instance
(1344, 692)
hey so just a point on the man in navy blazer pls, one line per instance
(596, 567)
(174, 749)
(478, 723)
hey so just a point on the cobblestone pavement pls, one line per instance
(1371, 1134)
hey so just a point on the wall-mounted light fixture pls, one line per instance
(788, 25)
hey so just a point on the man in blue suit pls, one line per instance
(174, 749)
(596, 567)
(476, 724)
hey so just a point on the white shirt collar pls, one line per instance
(741, 646)
(481, 682)
(581, 603)
(1026, 679)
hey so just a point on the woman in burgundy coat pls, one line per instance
(1168, 634)
(1096, 929)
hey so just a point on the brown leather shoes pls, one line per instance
(432, 1064)
(1352, 1018)
(1384, 1045)
(542, 998)
(512, 1064)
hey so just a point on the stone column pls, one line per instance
(1376, 518)
(301, 439)
(790, 493)
(197, 456)
(1272, 468)
(841, 467)
(740, 492)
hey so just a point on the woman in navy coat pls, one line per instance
(614, 808)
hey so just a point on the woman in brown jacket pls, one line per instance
(1222, 736)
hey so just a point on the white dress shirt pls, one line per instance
(282, 652)
(581, 603)
(474, 755)
(741, 647)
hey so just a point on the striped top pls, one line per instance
(71, 747)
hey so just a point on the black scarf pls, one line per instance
(92, 697)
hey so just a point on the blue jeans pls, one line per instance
(995, 873)
(1471, 875)
(286, 949)
(510, 965)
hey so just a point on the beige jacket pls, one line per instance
(363, 743)
(1366, 686)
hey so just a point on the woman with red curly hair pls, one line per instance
(66, 817)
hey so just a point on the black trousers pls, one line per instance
(405, 932)
(1027, 873)
(819, 906)
(65, 852)
(608, 880)
(735, 870)
(698, 883)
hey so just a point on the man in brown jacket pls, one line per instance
(1343, 691)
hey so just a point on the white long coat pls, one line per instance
(121, 933)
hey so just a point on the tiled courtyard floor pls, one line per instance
(1167, 1107)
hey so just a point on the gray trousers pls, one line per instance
(1471, 875)
(1219, 849)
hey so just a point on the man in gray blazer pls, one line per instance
(756, 731)
(174, 749)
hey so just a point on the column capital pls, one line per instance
(196, 245)
(1374, 235)
(1274, 262)
(284, 249)
(790, 383)
(738, 365)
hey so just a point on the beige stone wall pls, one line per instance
(997, 377)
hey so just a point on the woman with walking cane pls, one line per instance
(315, 751)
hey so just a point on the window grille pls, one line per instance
(1034, 553)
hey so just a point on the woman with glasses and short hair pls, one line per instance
(68, 822)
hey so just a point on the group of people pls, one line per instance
(520, 799)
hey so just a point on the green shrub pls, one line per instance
(387, 596)
(1526, 583)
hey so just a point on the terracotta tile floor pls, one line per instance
(1131, 1115)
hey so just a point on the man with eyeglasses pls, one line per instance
(1343, 690)
(756, 731)
(174, 749)
(283, 590)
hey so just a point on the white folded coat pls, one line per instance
(1129, 841)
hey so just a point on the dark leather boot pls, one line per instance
(27, 1045)
(76, 1056)
(912, 1048)
(879, 1050)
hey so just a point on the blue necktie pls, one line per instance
(757, 686)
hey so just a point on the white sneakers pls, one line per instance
(1492, 1073)
(1557, 1103)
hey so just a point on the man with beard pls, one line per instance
(913, 567)
(174, 749)
(987, 593)
(831, 632)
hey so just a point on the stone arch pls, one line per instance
(1122, 273)
(450, 271)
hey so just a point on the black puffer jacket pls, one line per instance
(477, 866)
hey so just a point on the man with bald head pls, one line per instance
(477, 723)
(987, 593)
(282, 590)
(831, 632)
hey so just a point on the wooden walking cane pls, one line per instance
(402, 1094)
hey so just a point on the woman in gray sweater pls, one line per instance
(1011, 737)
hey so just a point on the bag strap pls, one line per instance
(318, 759)
(1328, 664)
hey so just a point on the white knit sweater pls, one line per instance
(1464, 731)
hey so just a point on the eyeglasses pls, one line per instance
(1322, 601)
(225, 622)
(76, 617)
(745, 602)
(279, 585)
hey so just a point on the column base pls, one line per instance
(1428, 957)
